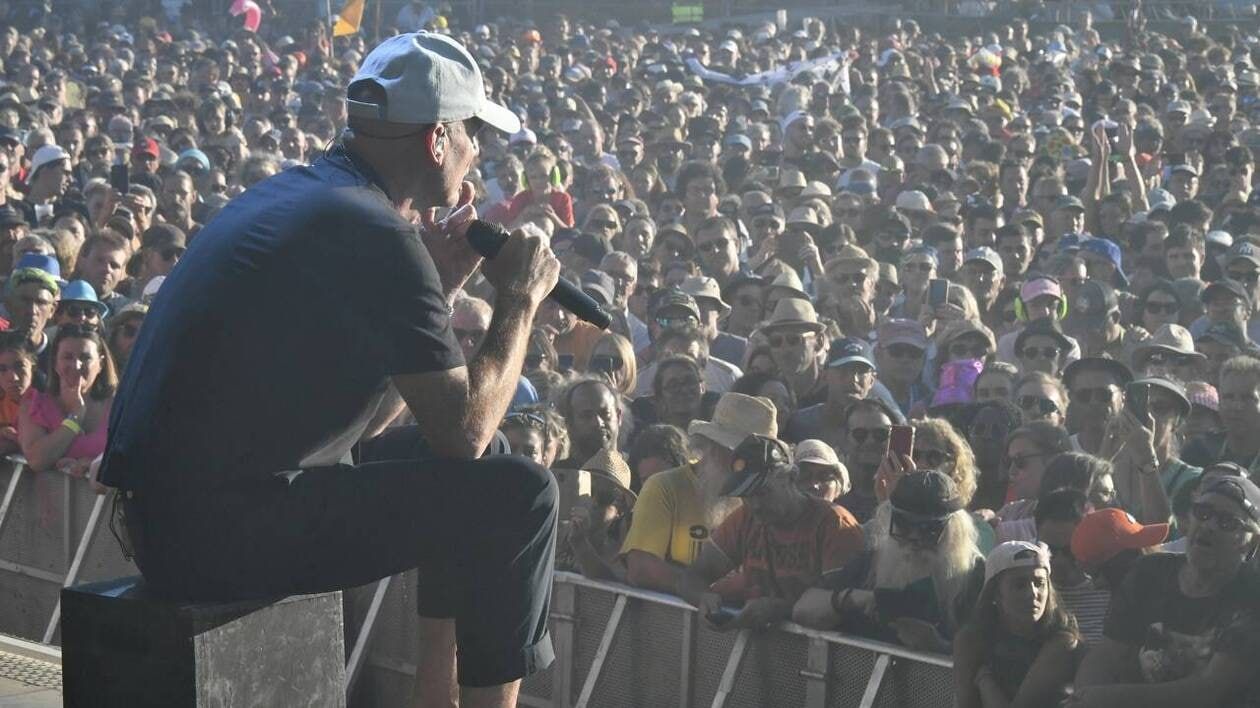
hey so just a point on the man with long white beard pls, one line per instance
(678, 508)
(919, 581)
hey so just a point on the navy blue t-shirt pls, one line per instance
(270, 345)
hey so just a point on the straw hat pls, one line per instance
(794, 312)
(736, 417)
(609, 464)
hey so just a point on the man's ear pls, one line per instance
(436, 143)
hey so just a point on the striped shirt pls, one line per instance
(1089, 605)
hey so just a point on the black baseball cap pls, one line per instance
(1240, 490)
(926, 494)
(1225, 285)
(847, 350)
(753, 462)
(1118, 371)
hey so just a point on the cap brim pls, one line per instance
(498, 116)
(849, 360)
(1150, 535)
(744, 485)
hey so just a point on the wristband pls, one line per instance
(72, 425)
(838, 598)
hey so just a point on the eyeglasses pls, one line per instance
(86, 312)
(908, 529)
(1019, 462)
(170, 253)
(876, 435)
(778, 341)
(1161, 308)
(929, 458)
(677, 321)
(903, 351)
(714, 246)
(1093, 395)
(1204, 512)
(1037, 404)
(1040, 353)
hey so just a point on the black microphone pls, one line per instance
(487, 238)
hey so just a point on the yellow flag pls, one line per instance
(350, 18)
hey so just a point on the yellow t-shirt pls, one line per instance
(669, 518)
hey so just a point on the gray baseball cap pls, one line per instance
(427, 78)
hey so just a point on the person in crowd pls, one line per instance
(1019, 646)
(819, 471)
(679, 508)
(996, 382)
(796, 339)
(31, 294)
(1181, 626)
(1040, 298)
(591, 408)
(920, 580)
(1240, 414)
(1096, 393)
(102, 262)
(598, 522)
(1029, 450)
(866, 426)
(774, 388)
(64, 426)
(991, 424)
(776, 545)
(850, 376)
(527, 434)
(901, 353)
(656, 448)
(17, 365)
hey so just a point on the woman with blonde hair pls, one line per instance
(612, 357)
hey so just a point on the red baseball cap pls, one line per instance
(1103, 534)
(146, 146)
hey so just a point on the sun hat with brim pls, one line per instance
(1169, 338)
(902, 331)
(1015, 554)
(914, 202)
(426, 78)
(1168, 385)
(702, 287)
(793, 313)
(735, 417)
(610, 465)
(755, 460)
(805, 218)
(850, 256)
(816, 452)
(674, 298)
(82, 291)
(1118, 371)
(961, 328)
(1103, 534)
(788, 280)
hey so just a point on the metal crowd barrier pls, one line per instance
(618, 646)
(54, 532)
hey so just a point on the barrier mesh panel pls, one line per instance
(33, 533)
(770, 672)
(712, 651)
(911, 684)
(849, 670)
(643, 664)
(593, 609)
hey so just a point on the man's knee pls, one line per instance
(519, 482)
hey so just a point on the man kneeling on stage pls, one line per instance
(275, 346)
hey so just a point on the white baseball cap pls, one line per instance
(427, 78)
(46, 155)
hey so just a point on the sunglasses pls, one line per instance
(1019, 462)
(903, 351)
(989, 393)
(1161, 308)
(81, 311)
(171, 253)
(1037, 404)
(779, 341)
(1204, 512)
(930, 459)
(877, 435)
(677, 321)
(906, 528)
(1092, 395)
(715, 246)
(529, 420)
(1040, 353)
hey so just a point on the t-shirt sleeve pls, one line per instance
(652, 527)
(412, 321)
(843, 539)
(563, 205)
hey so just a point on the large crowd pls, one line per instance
(948, 341)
